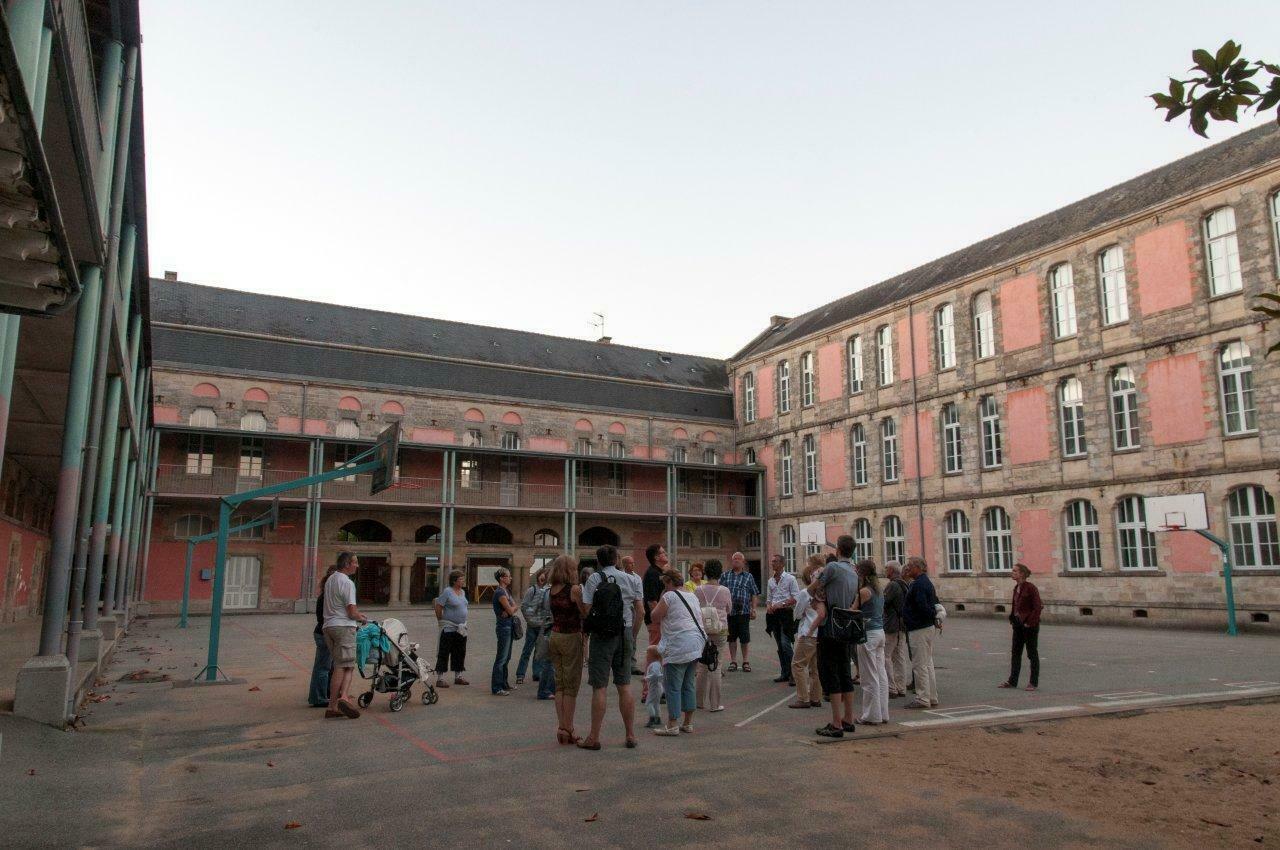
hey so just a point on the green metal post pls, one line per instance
(75, 422)
(219, 584)
(144, 539)
(1225, 548)
(116, 528)
(41, 95)
(102, 503)
(305, 590)
(186, 585)
(111, 72)
(26, 28)
(122, 539)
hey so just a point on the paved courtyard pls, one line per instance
(159, 765)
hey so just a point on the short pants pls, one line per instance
(740, 628)
(341, 641)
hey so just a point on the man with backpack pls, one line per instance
(612, 616)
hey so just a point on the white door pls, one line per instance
(243, 574)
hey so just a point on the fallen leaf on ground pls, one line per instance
(1215, 823)
(697, 816)
(271, 764)
(31, 772)
(593, 818)
(255, 688)
(580, 790)
(293, 824)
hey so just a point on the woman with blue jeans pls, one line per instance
(504, 608)
(536, 608)
(683, 638)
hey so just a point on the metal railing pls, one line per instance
(182, 480)
(73, 31)
(509, 494)
(721, 504)
(406, 491)
(603, 499)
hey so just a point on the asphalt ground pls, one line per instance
(158, 765)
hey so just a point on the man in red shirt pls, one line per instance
(1025, 618)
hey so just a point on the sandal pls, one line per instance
(687, 728)
(632, 743)
(830, 731)
(667, 731)
(732, 668)
(746, 667)
(583, 745)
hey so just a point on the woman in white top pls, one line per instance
(683, 638)
(804, 662)
(713, 595)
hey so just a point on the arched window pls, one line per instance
(490, 534)
(1235, 379)
(959, 543)
(997, 538)
(884, 355)
(710, 457)
(784, 387)
(1115, 295)
(1137, 545)
(1062, 289)
(546, 538)
(854, 347)
(862, 538)
(364, 531)
(889, 449)
(1222, 251)
(203, 417)
(984, 326)
(784, 454)
(895, 542)
(1124, 409)
(347, 429)
(598, 535)
(952, 444)
(749, 397)
(686, 538)
(253, 421)
(1251, 515)
(944, 326)
(192, 525)
(1084, 549)
(789, 547)
(710, 538)
(989, 419)
(749, 456)
(427, 534)
(806, 379)
(858, 453)
(810, 464)
(751, 540)
(1071, 416)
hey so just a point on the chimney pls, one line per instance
(774, 321)
(605, 340)
(171, 276)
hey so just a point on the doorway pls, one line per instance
(480, 570)
(373, 580)
(424, 581)
(244, 572)
(753, 567)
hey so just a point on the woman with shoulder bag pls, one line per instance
(564, 647)
(804, 661)
(531, 605)
(682, 644)
(715, 600)
(504, 610)
(875, 678)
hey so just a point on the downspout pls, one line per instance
(915, 427)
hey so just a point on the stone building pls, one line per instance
(1015, 400)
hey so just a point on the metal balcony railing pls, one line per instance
(73, 31)
(509, 494)
(406, 490)
(720, 504)
(180, 479)
(604, 499)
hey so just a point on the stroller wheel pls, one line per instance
(430, 697)
(398, 701)
(364, 699)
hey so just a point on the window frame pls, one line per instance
(1228, 265)
(784, 387)
(1113, 287)
(809, 446)
(884, 356)
(203, 453)
(1242, 393)
(1273, 207)
(1263, 543)
(992, 436)
(997, 540)
(952, 439)
(1082, 541)
(863, 544)
(958, 537)
(860, 474)
(889, 457)
(749, 397)
(252, 458)
(1135, 545)
(1071, 419)
(786, 484)
(984, 326)
(1062, 301)
(895, 541)
(788, 537)
(808, 385)
(944, 324)
(853, 354)
(1126, 434)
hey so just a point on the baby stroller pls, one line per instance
(390, 662)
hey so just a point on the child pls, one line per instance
(653, 677)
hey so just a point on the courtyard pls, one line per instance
(1136, 737)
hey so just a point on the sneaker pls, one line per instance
(799, 705)
(687, 728)
(917, 705)
(667, 731)
(330, 713)
(442, 684)
(848, 727)
(934, 704)
(502, 693)
(717, 708)
(816, 704)
(457, 680)
(830, 731)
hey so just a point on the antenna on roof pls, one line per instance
(598, 324)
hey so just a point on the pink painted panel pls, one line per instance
(164, 414)
(618, 429)
(583, 425)
(830, 371)
(766, 459)
(906, 366)
(1175, 389)
(205, 391)
(317, 426)
(289, 424)
(393, 408)
(680, 434)
(659, 453)
(640, 452)
(730, 457)
(473, 415)
(1020, 317)
(1191, 553)
(764, 393)
(833, 533)
(710, 437)
(832, 455)
(928, 447)
(1034, 532)
(548, 444)
(348, 402)
(256, 394)
(932, 553)
(434, 435)
(512, 418)
(1163, 260)
(1029, 428)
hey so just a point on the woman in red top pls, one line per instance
(565, 644)
(1025, 619)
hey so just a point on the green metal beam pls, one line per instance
(1225, 548)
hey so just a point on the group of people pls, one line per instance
(593, 618)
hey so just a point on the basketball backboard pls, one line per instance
(813, 532)
(388, 450)
(1169, 513)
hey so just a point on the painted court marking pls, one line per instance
(1124, 695)
(968, 711)
(1251, 684)
(990, 715)
(763, 712)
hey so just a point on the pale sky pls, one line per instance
(687, 167)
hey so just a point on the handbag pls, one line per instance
(846, 625)
(710, 657)
(517, 627)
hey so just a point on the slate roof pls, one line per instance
(579, 372)
(1203, 168)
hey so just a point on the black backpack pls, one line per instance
(605, 617)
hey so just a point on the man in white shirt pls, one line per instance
(612, 654)
(779, 619)
(341, 617)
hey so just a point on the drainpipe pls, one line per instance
(915, 427)
(649, 419)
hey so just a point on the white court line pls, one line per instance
(1127, 695)
(1238, 692)
(787, 698)
(968, 711)
(1006, 713)
(1251, 684)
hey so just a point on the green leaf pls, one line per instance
(1227, 54)
(1176, 89)
(1246, 87)
(1204, 61)
(1268, 100)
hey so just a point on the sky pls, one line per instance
(688, 168)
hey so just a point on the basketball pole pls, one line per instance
(1225, 548)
